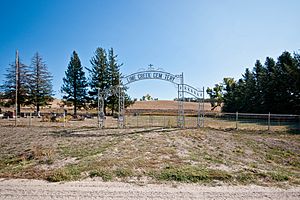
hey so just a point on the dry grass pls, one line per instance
(168, 105)
(162, 113)
(193, 155)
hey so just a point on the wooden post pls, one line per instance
(64, 119)
(17, 80)
(29, 116)
(269, 121)
(236, 120)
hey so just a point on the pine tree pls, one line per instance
(114, 79)
(260, 75)
(99, 76)
(40, 83)
(74, 83)
(248, 93)
(9, 86)
(270, 86)
(274, 87)
(295, 75)
(284, 89)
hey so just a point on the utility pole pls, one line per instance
(98, 113)
(17, 80)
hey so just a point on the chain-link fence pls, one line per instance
(243, 121)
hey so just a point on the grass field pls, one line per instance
(151, 155)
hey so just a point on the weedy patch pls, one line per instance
(109, 174)
(245, 177)
(68, 173)
(283, 157)
(20, 165)
(105, 174)
(279, 176)
(123, 172)
(83, 149)
(191, 174)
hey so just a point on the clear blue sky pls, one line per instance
(206, 40)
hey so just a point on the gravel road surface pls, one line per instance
(35, 189)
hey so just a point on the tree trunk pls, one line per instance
(104, 109)
(18, 109)
(37, 108)
(75, 107)
(113, 107)
(75, 99)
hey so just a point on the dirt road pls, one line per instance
(34, 189)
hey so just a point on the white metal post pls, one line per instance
(181, 120)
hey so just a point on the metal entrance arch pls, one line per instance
(158, 74)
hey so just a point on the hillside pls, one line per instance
(167, 106)
(159, 106)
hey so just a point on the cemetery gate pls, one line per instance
(158, 74)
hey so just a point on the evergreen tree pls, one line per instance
(274, 87)
(40, 83)
(9, 86)
(128, 100)
(74, 83)
(114, 79)
(248, 94)
(284, 90)
(260, 75)
(99, 76)
(294, 72)
(270, 86)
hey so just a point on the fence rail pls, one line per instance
(248, 121)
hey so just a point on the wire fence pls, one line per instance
(252, 121)
(242, 121)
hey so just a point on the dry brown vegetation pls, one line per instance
(159, 106)
(167, 107)
(142, 155)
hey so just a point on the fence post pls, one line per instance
(236, 120)
(137, 120)
(269, 121)
(64, 119)
(164, 121)
(29, 119)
